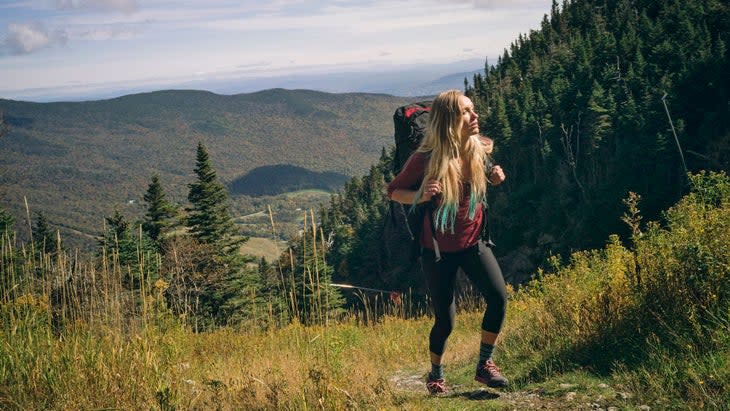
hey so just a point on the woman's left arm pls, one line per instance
(496, 176)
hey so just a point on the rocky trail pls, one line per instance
(563, 396)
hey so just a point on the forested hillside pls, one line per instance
(77, 161)
(577, 113)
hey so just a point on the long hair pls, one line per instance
(442, 145)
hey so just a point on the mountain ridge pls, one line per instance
(77, 161)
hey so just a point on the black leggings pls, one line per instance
(479, 264)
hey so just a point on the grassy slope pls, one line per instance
(263, 247)
(62, 155)
(380, 366)
(615, 327)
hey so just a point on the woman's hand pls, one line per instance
(430, 189)
(496, 176)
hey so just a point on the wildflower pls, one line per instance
(161, 284)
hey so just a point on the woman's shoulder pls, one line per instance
(420, 155)
(415, 164)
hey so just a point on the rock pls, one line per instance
(612, 409)
(623, 395)
(570, 396)
(603, 385)
(567, 385)
(644, 407)
(545, 239)
(517, 265)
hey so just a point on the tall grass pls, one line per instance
(655, 316)
(75, 335)
(652, 317)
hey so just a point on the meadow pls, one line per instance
(639, 324)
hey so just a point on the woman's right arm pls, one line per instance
(403, 196)
(406, 196)
(401, 188)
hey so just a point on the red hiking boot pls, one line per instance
(437, 386)
(489, 374)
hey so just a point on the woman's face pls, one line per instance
(469, 118)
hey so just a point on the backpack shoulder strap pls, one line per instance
(429, 211)
(486, 234)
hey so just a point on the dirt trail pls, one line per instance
(534, 399)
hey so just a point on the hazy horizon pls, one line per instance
(405, 80)
(86, 49)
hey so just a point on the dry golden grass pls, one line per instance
(263, 247)
(166, 366)
(72, 337)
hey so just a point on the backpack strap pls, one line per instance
(429, 211)
(485, 233)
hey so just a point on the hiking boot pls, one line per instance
(489, 374)
(435, 386)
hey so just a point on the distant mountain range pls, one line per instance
(411, 81)
(77, 161)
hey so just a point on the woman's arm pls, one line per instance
(401, 189)
(406, 196)
(403, 195)
(496, 176)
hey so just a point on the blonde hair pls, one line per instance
(442, 144)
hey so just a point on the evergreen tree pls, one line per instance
(231, 293)
(209, 219)
(117, 240)
(6, 222)
(159, 211)
(307, 283)
(43, 237)
(128, 247)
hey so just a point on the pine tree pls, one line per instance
(124, 244)
(117, 239)
(209, 219)
(6, 222)
(159, 211)
(43, 237)
(307, 282)
(234, 296)
(497, 122)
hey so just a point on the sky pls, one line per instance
(52, 47)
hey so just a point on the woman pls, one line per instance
(449, 169)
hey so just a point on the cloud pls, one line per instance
(126, 6)
(105, 33)
(27, 38)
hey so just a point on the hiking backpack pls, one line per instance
(410, 123)
(401, 267)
